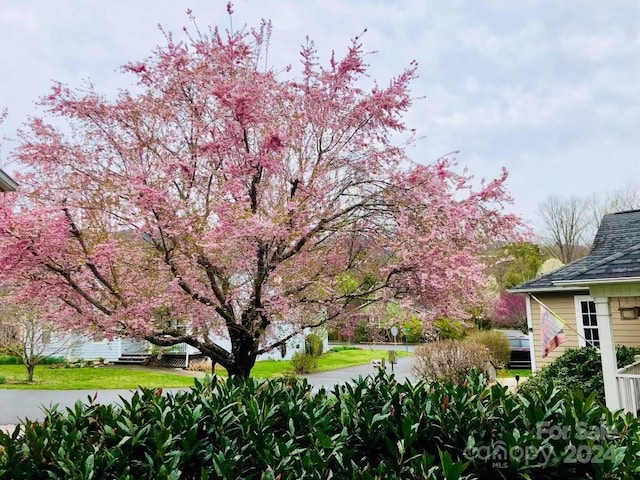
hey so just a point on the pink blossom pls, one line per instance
(232, 200)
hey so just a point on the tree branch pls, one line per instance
(92, 267)
(72, 283)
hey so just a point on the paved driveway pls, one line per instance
(402, 371)
(16, 405)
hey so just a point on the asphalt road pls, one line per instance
(402, 371)
(16, 405)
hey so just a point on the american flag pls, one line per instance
(551, 330)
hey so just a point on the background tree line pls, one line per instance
(570, 224)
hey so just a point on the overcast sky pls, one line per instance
(548, 89)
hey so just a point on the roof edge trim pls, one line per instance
(558, 289)
(596, 281)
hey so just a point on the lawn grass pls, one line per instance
(108, 377)
(328, 361)
(102, 378)
(507, 372)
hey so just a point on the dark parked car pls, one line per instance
(520, 352)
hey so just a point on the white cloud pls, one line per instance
(16, 18)
(549, 89)
(515, 107)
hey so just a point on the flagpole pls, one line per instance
(560, 319)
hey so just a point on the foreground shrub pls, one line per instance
(370, 429)
(579, 369)
(2, 379)
(449, 360)
(496, 342)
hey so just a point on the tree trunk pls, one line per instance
(243, 358)
(238, 362)
(30, 370)
(242, 367)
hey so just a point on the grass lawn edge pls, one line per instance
(131, 378)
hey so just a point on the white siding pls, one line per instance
(625, 332)
(76, 347)
(294, 344)
(59, 346)
(92, 350)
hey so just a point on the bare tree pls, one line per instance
(566, 223)
(620, 200)
(23, 334)
(572, 223)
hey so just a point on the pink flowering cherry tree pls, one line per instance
(511, 312)
(221, 199)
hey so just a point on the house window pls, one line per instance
(587, 322)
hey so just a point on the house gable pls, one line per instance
(611, 272)
(614, 257)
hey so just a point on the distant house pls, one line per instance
(7, 184)
(124, 350)
(598, 298)
(80, 347)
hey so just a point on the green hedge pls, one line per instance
(10, 360)
(578, 369)
(52, 361)
(302, 362)
(13, 360)
(342, 348)
(373, 428)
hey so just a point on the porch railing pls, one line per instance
(628, 380)
(181, 348)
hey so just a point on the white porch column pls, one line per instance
(532, 347)
(607, 353)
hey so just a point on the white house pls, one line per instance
(76, 347)
(598, 298)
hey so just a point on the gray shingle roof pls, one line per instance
(615, 254)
